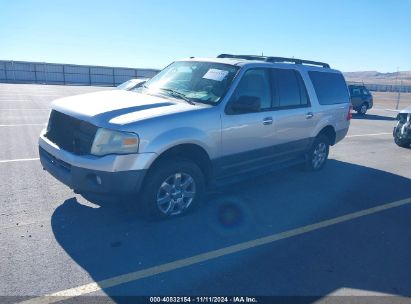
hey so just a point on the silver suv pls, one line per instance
(198, 123)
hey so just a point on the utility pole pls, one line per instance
(396, 82)
(399, 96)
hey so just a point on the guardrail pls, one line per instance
(68, 74)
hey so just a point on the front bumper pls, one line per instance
(83, 180)
(118, 174)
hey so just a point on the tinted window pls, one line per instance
(365, 91)
(289, 89)
(330, 87)
(256, 83)
(354, 91)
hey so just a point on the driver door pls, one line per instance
(247, 138)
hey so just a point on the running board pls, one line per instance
(246, 175)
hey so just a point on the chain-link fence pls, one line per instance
(68, 74)
(388, 88)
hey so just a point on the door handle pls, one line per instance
(309, 115)
(268, 121)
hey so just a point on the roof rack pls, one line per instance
(275, 59)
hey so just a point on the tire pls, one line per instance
(401, 142)
(172, 187)
(318, 154)
(362, 110)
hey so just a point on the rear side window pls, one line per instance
(355, 91)
(330, 87)
(289, 89)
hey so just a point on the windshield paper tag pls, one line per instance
(215, 74)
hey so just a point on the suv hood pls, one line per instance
(119, 107)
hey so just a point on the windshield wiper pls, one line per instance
(178, 95)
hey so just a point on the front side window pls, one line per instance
(255, 83)
(365, 92)
(204, 82)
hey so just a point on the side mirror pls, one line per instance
(246, 104)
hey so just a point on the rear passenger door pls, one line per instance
(294, 118)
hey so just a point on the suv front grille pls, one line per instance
(70, 134)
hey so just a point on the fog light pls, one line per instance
(98, 179)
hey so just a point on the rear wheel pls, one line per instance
(318, 154)
(173, 187)
(363, 109)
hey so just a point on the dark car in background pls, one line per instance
(361, 98)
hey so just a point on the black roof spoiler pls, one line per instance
(275, 59)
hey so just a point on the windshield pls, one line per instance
(204, 82)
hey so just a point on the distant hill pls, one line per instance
(375, 77)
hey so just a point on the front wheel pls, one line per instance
(172, 187)
(399, 139)
(318, 154)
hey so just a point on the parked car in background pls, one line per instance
(402, 131)
(199, 122)
(132, 84)
(361, 98)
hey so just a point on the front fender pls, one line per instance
(183, 135)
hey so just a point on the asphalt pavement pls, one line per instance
(56, 242)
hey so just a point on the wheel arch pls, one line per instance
(329, 131)
(189, 151)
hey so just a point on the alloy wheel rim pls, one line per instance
(319, 155)
(176, 193)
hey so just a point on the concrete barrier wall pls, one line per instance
(68, 74)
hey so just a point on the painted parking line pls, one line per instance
(24, 109)
(17, 160)
(23, 125)
(163, 268)
(372, 134)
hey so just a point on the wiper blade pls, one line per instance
(178, 95)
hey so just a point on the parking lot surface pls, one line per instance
(56, 242)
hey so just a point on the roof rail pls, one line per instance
(275, 59)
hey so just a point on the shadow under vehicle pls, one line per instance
(357, 254)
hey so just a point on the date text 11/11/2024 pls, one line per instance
(203, 299)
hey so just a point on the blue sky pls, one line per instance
(350, 35)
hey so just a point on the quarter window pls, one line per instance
(330, 87)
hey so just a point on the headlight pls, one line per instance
(114, 142)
